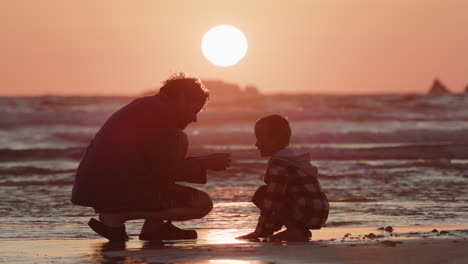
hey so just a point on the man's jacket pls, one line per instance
(132, 157)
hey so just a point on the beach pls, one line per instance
(349, 116)
(387, 160)
(410, 244)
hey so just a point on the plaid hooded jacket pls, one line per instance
(293, 191)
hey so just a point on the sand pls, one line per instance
(411, 244)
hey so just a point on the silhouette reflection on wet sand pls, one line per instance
(330, 243)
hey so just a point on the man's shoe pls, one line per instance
(169, 232)
(114, 234)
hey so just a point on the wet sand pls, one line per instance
(411, 244)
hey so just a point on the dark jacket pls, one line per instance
(131, 158)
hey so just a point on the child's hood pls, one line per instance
(301, 161)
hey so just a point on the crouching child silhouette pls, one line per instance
(292, 196)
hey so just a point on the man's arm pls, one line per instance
(190, 169)
(193, 169)
(165, 169)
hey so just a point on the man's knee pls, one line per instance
(203, 203)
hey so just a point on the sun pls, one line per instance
(224, 45)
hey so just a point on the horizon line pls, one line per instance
(265, 94)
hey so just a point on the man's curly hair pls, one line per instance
(181, 83)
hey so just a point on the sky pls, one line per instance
(117, 47)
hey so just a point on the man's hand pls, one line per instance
(217, 161)
(249, 236)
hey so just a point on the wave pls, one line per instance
(433, 151)
(58, 182)
(353, 200)
(40, 154)
(73, 137)
(344, 223)
(31, 170)
(94, 110)
(305, 135)
(436, 151)
(219, 139)
(10, 120)
(439, 153)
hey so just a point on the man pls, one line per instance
(130, 168)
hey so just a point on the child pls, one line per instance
(292, 195)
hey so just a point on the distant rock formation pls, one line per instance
(466, 89)
(224, 90)
(253, 91)
(438, 88)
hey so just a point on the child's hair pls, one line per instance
(278, 125)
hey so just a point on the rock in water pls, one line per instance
(438, 88)
(373, 236)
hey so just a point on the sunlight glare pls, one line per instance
(233, 261)
(224, 45)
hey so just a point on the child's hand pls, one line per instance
(250, 236)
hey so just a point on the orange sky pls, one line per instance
(318, 46)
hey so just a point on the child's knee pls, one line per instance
(259, 196)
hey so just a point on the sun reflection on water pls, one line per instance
(233, 261)
(223, 236)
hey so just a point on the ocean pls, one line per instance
(383, 159)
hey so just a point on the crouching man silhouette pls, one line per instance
(129, 169)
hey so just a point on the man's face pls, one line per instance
(187, 112)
